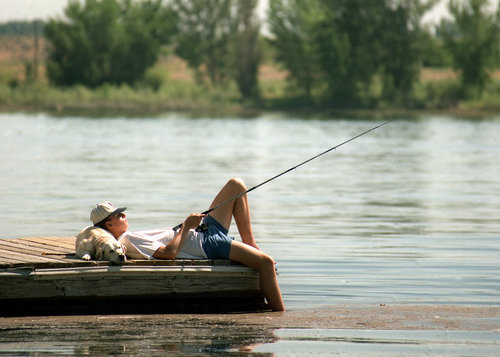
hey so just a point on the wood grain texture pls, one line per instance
(46, 269)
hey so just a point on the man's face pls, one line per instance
(117, 224)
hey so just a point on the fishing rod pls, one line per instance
(203, 227)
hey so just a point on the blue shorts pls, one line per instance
(216, 243)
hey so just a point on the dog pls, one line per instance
(97, 243)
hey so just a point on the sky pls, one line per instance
(27, 10)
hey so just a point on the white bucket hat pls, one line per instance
(103, 210)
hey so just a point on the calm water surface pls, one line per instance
(409, 213)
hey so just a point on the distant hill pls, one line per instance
(21, 28)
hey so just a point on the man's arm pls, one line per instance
(173, 248)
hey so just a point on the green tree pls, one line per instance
(472, 39)
(107, 41)
(354, 27)
(248, 53)
(345, 45)
(433, 51)
(205, 32)
(365, 40)
(402, 51)
(293, 25)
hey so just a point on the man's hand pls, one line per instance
(193, 220)
(172, 249)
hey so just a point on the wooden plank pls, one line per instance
(12, 253)
(53, 241)
(32, 246)
(124, 270)
(27, 258)
(53, 264)
(31, 254)
(61, 242)
(50, 245)
(125, 281)
(68, 239)
(28, 252)
(26, 247)
(16, 252)
(37, 246)
(10, 260)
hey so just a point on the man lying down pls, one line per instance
(212, 242)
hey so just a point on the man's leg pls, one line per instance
(239, 208)
(262, 262)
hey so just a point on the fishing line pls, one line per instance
(201, 227)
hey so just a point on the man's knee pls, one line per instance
(238, 183)
(266, 263)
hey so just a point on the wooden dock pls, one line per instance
(42, 275)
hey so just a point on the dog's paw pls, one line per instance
(86, 257)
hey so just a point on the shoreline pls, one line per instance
(353, 114)
(231, 110)
(347, 329)
(371, 317)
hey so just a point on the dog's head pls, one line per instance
(112, 251)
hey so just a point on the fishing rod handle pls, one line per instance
(201, 228)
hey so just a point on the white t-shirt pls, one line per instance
(142, 245)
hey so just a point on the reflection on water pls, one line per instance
(325, 342)
(243, 335)
(407, 213)
(135, 335)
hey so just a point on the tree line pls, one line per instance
(344, 52)
(20, 28)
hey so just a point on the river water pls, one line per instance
(409, 213)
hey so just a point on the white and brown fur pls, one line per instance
(97, 243)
